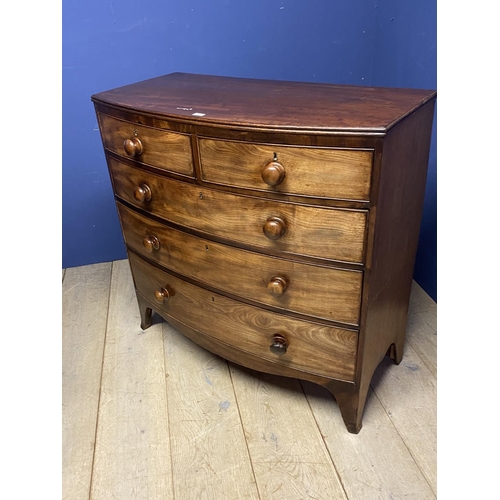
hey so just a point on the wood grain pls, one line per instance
(408, 394)
(132, 454)
(316, 172)
(329, 293)
(251, 103)
(248, 328)
(421, 331)
(170, 151)
(209, 452)
(374, 465)
(326, 210)
(85, 308)
(318, 232)
(394, 227)
(289, 457)
(420, 301)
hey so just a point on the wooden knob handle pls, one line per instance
(132, 147)
(277, 286)
(279, 345)
(273, 173)
(162, 295)
(151, 243)
(142, 193)
(274, 228)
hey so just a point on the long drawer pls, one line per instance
(317, 172)
(287, 228)
(250, 329)
(322, 292)
(155, 147)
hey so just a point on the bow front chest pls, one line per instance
(273, 223)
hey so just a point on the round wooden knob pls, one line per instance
(142, 193)
(162, 295)
(277, 286)
(273, 173)
(274, 228)
(132, 147)
(279, 345)
(151, 243)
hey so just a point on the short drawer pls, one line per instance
(155, 147)
(322, 292)
(302, 345)
(316, 172)
(286, 228)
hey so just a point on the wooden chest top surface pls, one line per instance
(268, 103)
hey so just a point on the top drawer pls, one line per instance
(316, 172)
(155, 147)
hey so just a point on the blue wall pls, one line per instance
(113, 43)
(405, 56)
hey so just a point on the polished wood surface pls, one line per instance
(161, 295)
(316, 172)
(274, 228)
(133, 147)
(272, 174)
(151, 243)
(277, 286)
(400, 199)
(280, 283)
(165, 150)
(300, 202)
(250, 329)
(326, 233)
(142, 193)
(268, 104)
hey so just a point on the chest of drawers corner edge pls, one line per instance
(278, 229)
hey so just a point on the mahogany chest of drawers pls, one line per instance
(273, 223)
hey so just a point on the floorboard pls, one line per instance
(374, 464)
(408, 394)
(209, 452)
(85, 308)
(132, 453)
(420, 301)
(289, 457)
(421, 334)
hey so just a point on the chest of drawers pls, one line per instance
(273, 223)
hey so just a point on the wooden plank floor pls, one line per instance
(150, 415)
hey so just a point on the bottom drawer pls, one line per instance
(297, 344)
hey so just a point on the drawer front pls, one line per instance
(158, 148)
(317, 172)
(328, 233)
(314, 348)
(328, 293)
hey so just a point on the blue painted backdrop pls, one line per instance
(111, 43)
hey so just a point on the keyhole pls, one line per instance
(206, 248)
(201, 196)
(275, 157)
